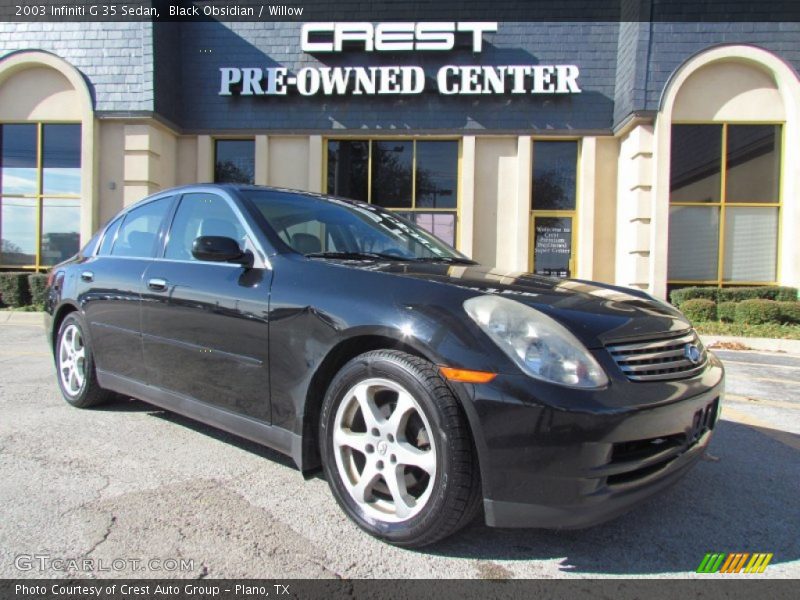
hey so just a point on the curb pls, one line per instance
(754, 343)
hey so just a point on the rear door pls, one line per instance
(110, 287)
(205, 324)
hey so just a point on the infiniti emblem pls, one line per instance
(692, 353)
(382, 447)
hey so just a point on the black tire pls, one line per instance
(455, 494)
(89, 393)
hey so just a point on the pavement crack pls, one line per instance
(103, 539)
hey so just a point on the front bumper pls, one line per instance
(581, 458)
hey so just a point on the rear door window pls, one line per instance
(139, 233)
(108, 238)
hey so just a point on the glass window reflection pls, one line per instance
(407, 176)
(18, 159)
(348, 169)
(235, 161)
(40, 206)
(392, 163)
(61, 160)
(440, 224)
(753, 163)
(555, 166)
(18, 231)
(437, 172)
(61, 226)
(695, 163)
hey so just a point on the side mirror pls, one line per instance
(217, 248)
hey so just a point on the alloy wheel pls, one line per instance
(72, 360)
(384, 449)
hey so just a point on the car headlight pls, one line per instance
(540, 346)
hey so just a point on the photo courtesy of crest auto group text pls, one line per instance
(297, 299)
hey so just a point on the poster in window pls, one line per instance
(552, 246)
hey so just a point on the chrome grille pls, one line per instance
(661, 359)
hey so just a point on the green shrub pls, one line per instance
(14, 290)
(787, 294)
(699, 309)
(682, 295)
(37, 283)
(771, 292)
(789, 312)
(757, 311)
(726, 311)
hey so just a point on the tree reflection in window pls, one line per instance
(417, 178)
(392, 163)
(555, 167)
(235, 161)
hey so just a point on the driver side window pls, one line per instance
(198, 215)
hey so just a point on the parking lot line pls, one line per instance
(757, 364)
(767, 379)
(762, 401)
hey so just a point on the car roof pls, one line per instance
(228, 187)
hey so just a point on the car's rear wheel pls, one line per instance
(75, 365)
(397, 451)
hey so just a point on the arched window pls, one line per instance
(727, 121)
(46, 171)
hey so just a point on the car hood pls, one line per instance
(596, 313)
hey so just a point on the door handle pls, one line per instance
(157, 284)
(87, 276)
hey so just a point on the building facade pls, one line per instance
(646, 154)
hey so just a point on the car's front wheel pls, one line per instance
(397, 451)
(75, 364)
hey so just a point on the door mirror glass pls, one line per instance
(217, 248)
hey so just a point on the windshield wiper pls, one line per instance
(452, 260)
(354, 255)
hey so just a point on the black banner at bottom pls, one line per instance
(732, 587)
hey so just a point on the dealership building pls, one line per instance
(650, 154)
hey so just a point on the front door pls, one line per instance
(204, 324)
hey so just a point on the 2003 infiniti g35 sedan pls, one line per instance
(425, 385)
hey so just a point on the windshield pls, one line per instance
(332, 228)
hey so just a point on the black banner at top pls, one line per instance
(787, 11)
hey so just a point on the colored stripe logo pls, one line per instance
(734, 562)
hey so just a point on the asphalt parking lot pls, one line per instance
(132, 482)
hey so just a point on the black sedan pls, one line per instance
(426, 386)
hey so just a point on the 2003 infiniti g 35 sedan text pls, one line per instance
(425, 385)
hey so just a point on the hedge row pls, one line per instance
(21, 289)
(749, 312)
(734, 294)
